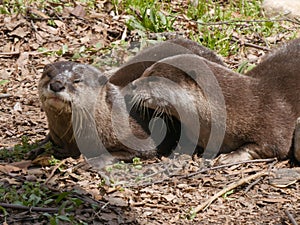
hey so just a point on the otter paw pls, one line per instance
(233, 157)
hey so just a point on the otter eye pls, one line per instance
(76, 81)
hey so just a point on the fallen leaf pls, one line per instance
(117, 201)
(22, 164)
(9, 168)
(23, 59)
(42, 160)
(78, 11)
(275, 200)
(169, 197)
(20, 32)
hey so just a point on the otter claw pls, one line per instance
(233, 157)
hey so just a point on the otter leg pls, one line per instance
(40, 149)
(244, 153)
(297, 140)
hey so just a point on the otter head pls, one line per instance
(62, 83)
(67, 89)
(162, 87)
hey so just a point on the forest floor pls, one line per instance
(160, 191)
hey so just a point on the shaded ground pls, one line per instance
(26, 45)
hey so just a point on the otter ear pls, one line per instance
(102, 79)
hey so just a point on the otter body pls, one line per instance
(78, 100)
(135, 67)
(297, 140)
(261, 110)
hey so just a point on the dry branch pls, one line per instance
(236, 184)
(22, 207)
(291, 218)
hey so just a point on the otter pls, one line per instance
(297, 140)
(69, 90)
(261, 109)
(78, 102)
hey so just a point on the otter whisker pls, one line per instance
(77, 116)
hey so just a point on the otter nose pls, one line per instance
(56, 86)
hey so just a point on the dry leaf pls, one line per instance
(78, 11)
(8, 168)
(23, 59)
(169, 197)
(20, 32)
(42, 160)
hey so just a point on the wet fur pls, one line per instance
(79, 81)
(261, 108)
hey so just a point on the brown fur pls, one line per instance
(261, 110)
(135, 67)
(94, 93)
(297, 140)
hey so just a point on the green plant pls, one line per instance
(18, 152)
(151, 19)
(146, 15)
(225, 196)
(245, 67)
(35, 194)
(137, 163)
(2, 82)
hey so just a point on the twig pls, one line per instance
(250, 44)
(154, 205)
(5, 95)
(237, 21)
(242, 21)
(34, 28)
(54, 169)
(204, 170)
(6, 54)
(228, 165)
(252, 184)
(291, 218)
(207, 203)
(9, 53)
(22, 207)
(256, 46)
(49, 18)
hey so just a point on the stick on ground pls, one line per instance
(236, 184)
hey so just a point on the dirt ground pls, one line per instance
(163, 191)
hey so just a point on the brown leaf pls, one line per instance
(117, 201)
(8, 168)
(275, 200)
(169, 197)
(20, 32)
(42, 160)
(23, 59)
(12, 23)
(38, 13)
(22, 164)
(78, 11)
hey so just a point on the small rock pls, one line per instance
(17, 107)
(290, 8)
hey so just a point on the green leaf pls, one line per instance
(62, 196)
(227, 194)
(3, 82)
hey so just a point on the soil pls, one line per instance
(162, 191)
